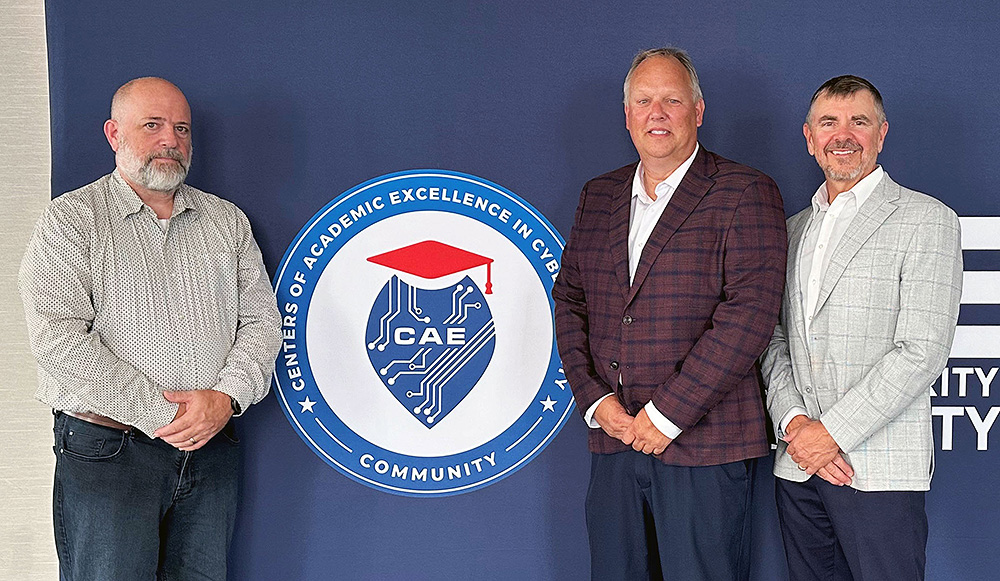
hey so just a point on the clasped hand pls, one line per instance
(638, 432)
(816, 452)
(200, 415)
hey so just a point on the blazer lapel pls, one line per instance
(620, 214)
(871, 215)
(684, 200)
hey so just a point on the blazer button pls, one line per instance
(627, 320)
(614, 365)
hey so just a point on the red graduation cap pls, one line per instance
(433, 259)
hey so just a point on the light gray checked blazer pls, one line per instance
(880, 336)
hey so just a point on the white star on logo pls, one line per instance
(307, 405)
(548, 404)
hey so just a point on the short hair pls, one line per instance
(121, 95)
(845, 86)
(667, 51)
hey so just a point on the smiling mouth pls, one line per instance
(658, 132)
(842, 152)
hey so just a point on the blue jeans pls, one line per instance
(127, 507)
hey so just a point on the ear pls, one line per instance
(699, 109)
(808, 135)
(881, 135)
(111, 133)
(626, 117)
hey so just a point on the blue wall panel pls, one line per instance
(296, 102)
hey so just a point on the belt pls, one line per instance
(99, 420)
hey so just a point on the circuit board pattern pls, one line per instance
(430, 346)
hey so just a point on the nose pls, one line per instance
(657, 111)
(168, 138)
(843, 133)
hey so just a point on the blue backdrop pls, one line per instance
(295, 102)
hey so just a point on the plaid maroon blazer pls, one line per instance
(701, 309)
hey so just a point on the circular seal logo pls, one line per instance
(418, 352)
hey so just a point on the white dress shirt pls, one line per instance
(644, 215)
(826, 228)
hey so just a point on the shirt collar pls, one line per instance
(128, 202)
(861, 191)
(666, 186)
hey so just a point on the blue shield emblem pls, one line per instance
(430, 347)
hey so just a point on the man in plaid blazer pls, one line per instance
(668, 292)
(868, 316)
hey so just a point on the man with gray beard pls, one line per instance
(153, 323)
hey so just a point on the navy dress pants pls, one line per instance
(130, 508)
(648, 520)
(837, 533)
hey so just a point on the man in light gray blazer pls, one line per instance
(871, 300)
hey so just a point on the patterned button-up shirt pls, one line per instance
(120, 309)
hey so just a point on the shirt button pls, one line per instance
(821, 246)
(627, 320)
(809, 389)
(614, 365)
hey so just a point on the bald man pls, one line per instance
(153, 323)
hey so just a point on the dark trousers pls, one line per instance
(648, 520)
(837, 533)
(127, 507)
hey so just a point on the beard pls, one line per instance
(837, 173)
(152, 176)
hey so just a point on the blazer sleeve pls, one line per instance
(776, 364)
(743, 322)
(572, 322)
(776, 368)
(930, 292)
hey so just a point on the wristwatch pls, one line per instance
(235, 405)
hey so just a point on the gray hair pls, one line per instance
(845, 86)
(667, 51)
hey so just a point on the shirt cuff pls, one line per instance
(589, 416)
(236, 390)
(795, 411)
(660, 422)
